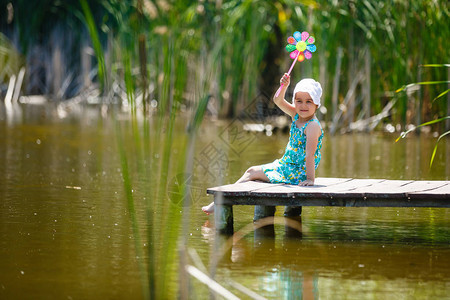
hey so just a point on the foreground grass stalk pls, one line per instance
(90, 23)
(187, 201)
(145, 280)
(149, 209)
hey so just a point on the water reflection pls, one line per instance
(319, 264)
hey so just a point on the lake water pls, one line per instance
(68, 229)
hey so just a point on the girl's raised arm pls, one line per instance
(312, 132)
(285, 106)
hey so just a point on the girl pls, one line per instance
(302, 154)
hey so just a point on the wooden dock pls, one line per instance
(345, 192)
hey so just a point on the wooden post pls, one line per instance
(262, 212)
(223, 217)
(292, 211)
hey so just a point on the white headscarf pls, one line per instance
(312, 87)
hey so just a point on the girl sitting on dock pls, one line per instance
(302, 155)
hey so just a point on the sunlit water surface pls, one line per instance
(65, 228)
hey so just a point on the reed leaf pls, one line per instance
(436, 65)
(441, 95)
(92, 28)
(132, 213)
(436, 145)
(404, 134)
(405, 87)
(10, 59)
(198, 116)
(212, 285)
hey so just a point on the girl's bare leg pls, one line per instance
(252, 173)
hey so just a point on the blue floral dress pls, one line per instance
(291, 168)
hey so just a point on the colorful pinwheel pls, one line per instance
(300, 46)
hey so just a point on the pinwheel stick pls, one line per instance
(289, 72)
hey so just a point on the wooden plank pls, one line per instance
(283, 191)
(401, 189)
(328, 181)
(286, 190)
(279, 190)
(422, 186)
(442, 192)
(383, 189)
(353, 184)
(243, 188)
(238, 189)
(353, 188)
(343, 189)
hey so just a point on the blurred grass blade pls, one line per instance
(405, 87)
(132, 213)
(90, 23)
(199, 113)
(441, 95)
(212, 285)
(403, 134)
(128, 79)
(251, 294)
(436, 65)
(436, 145)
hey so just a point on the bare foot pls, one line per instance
(208, 209)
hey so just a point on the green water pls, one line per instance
(66, 231)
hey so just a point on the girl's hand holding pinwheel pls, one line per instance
(300, 46)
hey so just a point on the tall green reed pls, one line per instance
(170, 216)
(147, 280)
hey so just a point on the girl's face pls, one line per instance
(304, 105)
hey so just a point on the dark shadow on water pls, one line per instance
(294, 232)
